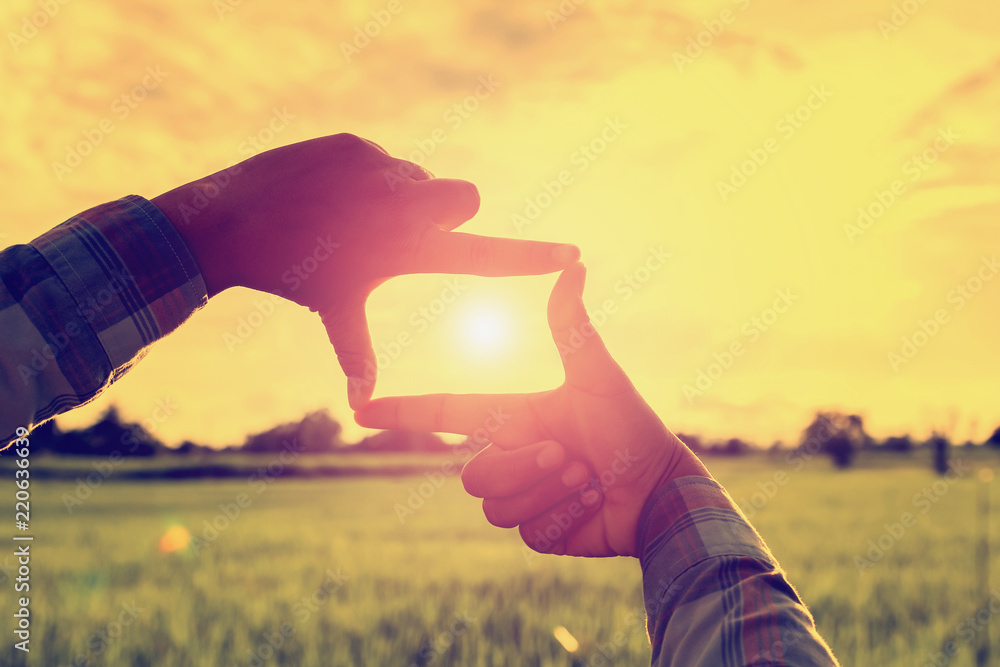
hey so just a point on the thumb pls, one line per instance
(347, 328)
(447, 202)
(587, 363)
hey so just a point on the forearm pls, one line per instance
(80, 305)
(714, 593)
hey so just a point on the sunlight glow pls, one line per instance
(694, 190)
(485, 329)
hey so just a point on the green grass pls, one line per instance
(446, 568)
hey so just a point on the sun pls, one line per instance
(485, 329)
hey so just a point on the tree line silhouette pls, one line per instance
(834, 434)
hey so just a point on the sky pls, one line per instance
(784, 207)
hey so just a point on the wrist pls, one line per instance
(184, 207)
(682, 463)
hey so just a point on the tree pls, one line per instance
(108, 436)
(995, 438)
(942, 449)
(189, 448)
(901, 444)
(403, 441)
(837, 435)
(316, 433)
(735, 447)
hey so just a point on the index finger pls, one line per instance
(457, 252)
(500, 418)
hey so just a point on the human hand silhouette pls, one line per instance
(596, 416)
(325, 221)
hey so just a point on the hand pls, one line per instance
(596, 415)
(323, 222)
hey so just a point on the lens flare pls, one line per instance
(567, 640)
(176, 538)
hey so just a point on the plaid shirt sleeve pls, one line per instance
(80, 305)
(715, 596)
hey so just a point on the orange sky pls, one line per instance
(712, 180)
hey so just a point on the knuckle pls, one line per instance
(489, 510)
(352, 362)
(346, 140)
(481, 255)
(439, 411)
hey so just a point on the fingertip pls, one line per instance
(367, 414)
(469, 481)
(534, 541)
(466, 195)
(472, 479)
(472, 194)
(577, 276)
(575, 475)
(447, 202)
(567, 294)
(359, 392)
(551, 456)
(566, 254)
(496, 518)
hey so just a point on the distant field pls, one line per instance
(445, 588)
(269, 465)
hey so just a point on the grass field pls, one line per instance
(324, 573)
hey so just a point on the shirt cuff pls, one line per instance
(687, 521)
(133, 278)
